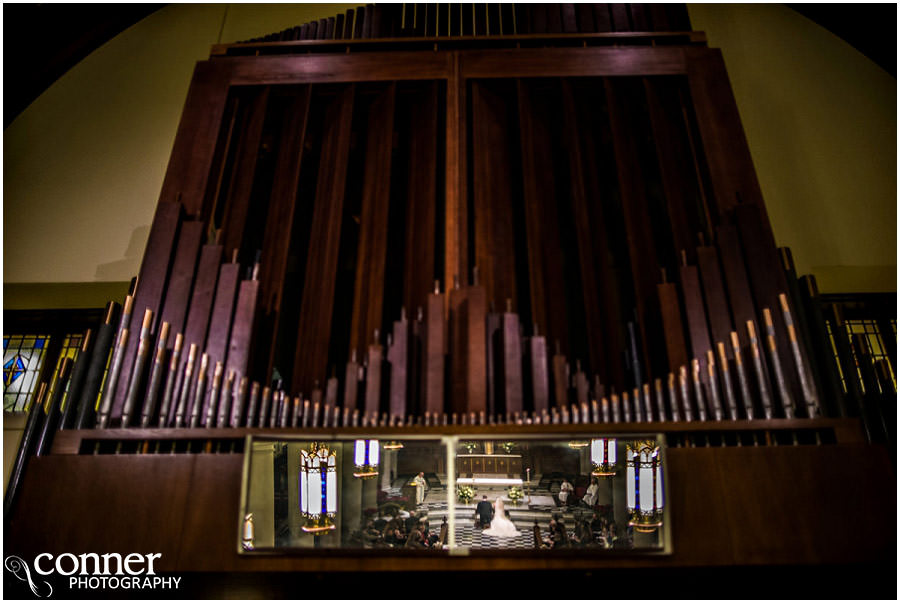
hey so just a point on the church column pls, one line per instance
(370, 493)
(350, 498)
(584, 461)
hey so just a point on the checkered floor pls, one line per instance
(470, 536)
(434, 507)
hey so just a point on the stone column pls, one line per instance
(349, 495)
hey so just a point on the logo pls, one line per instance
(91, 571)
(19, 568)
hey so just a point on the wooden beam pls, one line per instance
(419, 269)
(492, 197)
(368, 295)
(237, 201)
(314, 329)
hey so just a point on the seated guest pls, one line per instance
(548, 542)
(411, 521)
(431, 539)
(370, 533)
(582, 536)
(559, 537)
(597, 523)
(393, 534)
(590, 497)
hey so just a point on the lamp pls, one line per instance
(318, 488)
(365, 458)
(644, 485)
(393, 445)
(603, 457)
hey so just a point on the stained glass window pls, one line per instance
(22, 358)
(869, 328)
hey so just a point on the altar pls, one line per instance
(507, 466)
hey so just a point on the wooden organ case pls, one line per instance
(471, 232)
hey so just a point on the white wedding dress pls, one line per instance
(500, 525)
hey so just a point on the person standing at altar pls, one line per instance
(420, 484)
(590, 497)
(565, 489)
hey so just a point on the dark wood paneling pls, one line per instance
(237, 201)
(202, 297)
(674, 170)
(724, 144)
(456, 235)
(421, 216)
(223, 310)
(740, 299)
(492, 171)
(239, 343)
(195, 142)
(435, 350)
(720, 325)
(339, 68)
(74, 504)
(591, 239)
(635, 208)
(468, 386)
(670, 310)
(559, 62)
(545, 255)
(368, 293)
(151, 286)
(178, 291)
(694, 309)
(311, 356)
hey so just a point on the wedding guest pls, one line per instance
(590, 497)
(565, 490)
(420, 484)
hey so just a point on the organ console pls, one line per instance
(555, 159)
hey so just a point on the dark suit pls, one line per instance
(485, 512)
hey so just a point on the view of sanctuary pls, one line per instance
(531, 299)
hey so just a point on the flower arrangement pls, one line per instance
(465, 493)
(507, 446)
(469, 446)
(515, 494)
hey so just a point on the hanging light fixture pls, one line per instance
(578, 444)
(365, 458)
(644, 485)
(393, 445)
(603, 457)
(318, 488)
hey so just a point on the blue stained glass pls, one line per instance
(38, 343)
(5, 342)
(12, 370)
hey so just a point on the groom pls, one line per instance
(485, 512)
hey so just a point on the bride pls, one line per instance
(500, 525)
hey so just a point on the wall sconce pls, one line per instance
(365, 458)
(644, 485)
(318, 488)
(603, 457)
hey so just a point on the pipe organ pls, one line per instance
(462, 219)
